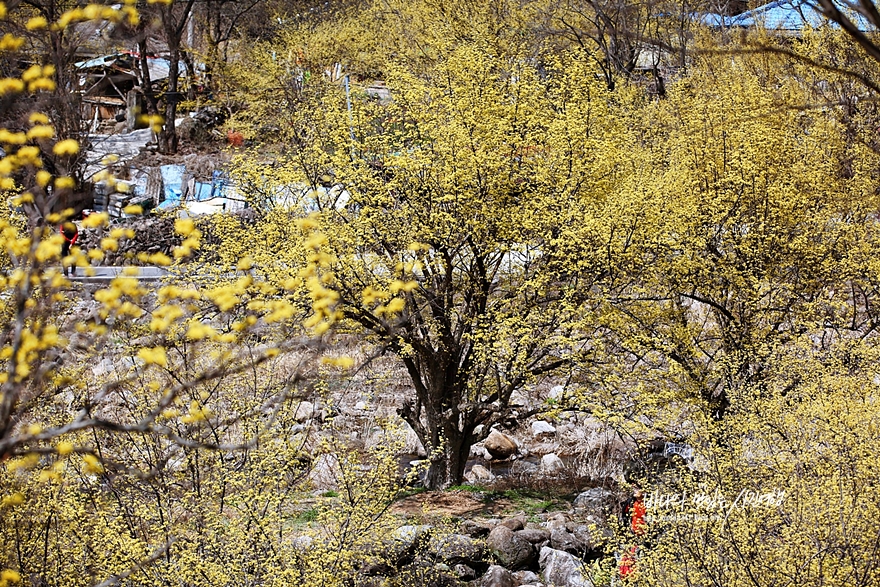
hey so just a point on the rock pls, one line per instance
(405, 542)
(457, 548)
(102, 368)
(514, 523)
(556, 521)
(512, 551)
(479, 452)
(464, 572)
(562, 569)
(585, 537)
(190, 128)
(303, 543)
(597, 502)
(304, 411)
(500, 446)
(479, 473)
(361, 406)
(325, 473)
(377, 568)
(474, 529)
(551, 464)
(412, 443)
(498, 577)
(541, 428)
(534, 535)
(525, 577)
(523, 468)
(556, 392)
(562, 539)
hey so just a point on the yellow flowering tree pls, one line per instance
(144, 429)
(445, 214)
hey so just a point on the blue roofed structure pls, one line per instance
(785, 16)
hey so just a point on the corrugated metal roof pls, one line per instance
(789, 15)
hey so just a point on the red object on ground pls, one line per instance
(235, 138)
(628, 563)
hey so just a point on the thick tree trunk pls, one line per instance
(168, 136)
(445, 432)
(447, 465)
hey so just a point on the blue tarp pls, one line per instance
(784, 15)
(172, 180)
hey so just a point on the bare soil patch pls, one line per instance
(450, 503)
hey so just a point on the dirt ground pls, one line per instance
(450, 503)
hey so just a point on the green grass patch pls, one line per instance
(410, 491)
(468, 487)
(307, 516)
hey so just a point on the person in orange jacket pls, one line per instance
(638, 513)
(70, 233)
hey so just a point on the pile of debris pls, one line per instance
(152, 234)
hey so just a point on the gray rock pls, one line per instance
(562, 539)
(534, 535)
(102, 368)
(526, 577)
(405, 541)
(498, 577)
(523, 468)
(584, 535)
(464, 572)
(597, 502)
(541, 428)
(500, 446)
(512, 551)
(479, 473)
(457, 548)
(325, 473)
(555, 522)
(562, 569)
(474, 529)
(303, 543)
(304, 411)
(551, 464)
(514, 523)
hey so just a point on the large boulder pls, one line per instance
(325, 473)
(515, 523)
(557, 520)
(304, 411)
(562, 539)
(588, 537)
(500, 446)
(479, 473)
(542, 428)
(512, 551)
(474, 529)
(457, 548)
(562, 569)
(551, 464)
(498, 577)
(534, 535)
(597, 502)
(527, 577)
(406, 542)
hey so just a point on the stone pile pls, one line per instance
(547, 550)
